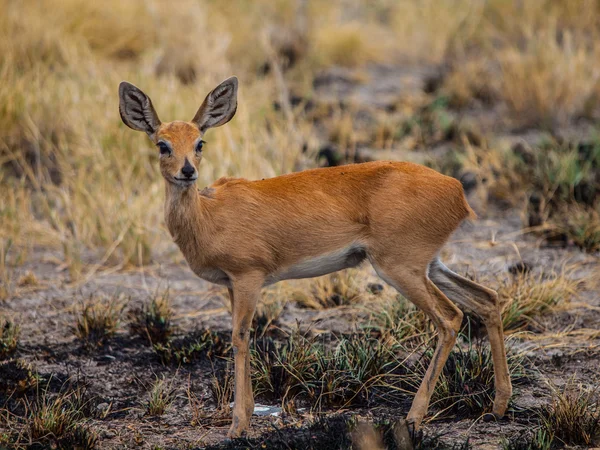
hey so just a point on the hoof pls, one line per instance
(488, 417)
(237, 430)
(234, 434)
(404, 433)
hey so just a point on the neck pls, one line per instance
(179, 193)
(183, 209)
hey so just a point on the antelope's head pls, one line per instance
(179, 143)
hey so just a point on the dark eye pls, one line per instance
(199, 146)
(164, 148)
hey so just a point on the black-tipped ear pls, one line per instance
(219, 106)
(136, 109)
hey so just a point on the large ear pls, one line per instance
(136, 109)
(219, 105)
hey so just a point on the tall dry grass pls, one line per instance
(74, 178)
(72, 175)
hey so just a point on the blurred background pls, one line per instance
(500, 94)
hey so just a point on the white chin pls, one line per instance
(185, 183)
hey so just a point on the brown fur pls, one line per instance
(245, 234)
(281, 221)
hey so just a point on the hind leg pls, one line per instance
(415, 286)
(483, 302)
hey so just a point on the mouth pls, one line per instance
(186, 180)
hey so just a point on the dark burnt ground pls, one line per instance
(117, 377)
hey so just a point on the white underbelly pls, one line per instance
(321, 265)
(308, 268)
(216, 276)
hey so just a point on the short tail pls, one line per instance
(472, 214)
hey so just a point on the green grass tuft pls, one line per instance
(152, 321)
(9, 338)
(97, 320)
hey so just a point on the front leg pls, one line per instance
(244, 295)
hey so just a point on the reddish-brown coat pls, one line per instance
(280, 221)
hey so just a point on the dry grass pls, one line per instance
(187, 349)
(87, 182)
(6, 276)
(97, 320)
(51, 421)
(348, 287)
(351, 44)
(269, 308)
(581, 225)
(573, 417)
(336, 289)
(528, 296)
(152, 321)
(222, 389)
(76, 179)
(539, 59)
(161, 397)
(397, 320)
(545, 74)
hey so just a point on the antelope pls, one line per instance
(249, 234)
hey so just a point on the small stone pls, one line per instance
(102, 406)
(107, 434)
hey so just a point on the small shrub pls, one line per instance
(9, 337)
(280, 370)
(560, 174)
(357, 371)
(161, 397)
(571, 419)
(401, 321)
(573, 416)
(581, 225)
(53, 421)
(431, 124)
(152, 321)
(528, 295)
(350, 371)
(97, 320)
(184, 351)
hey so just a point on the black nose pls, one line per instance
(188, 170)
